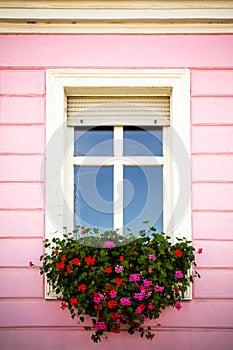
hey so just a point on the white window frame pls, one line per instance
(59, 161)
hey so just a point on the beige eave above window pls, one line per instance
(130, 17)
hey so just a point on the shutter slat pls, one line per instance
(115, 110)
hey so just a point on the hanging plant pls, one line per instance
(116, 282)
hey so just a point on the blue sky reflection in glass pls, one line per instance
(93, 141)
(93, 196)
(143, 197)
(144, 141)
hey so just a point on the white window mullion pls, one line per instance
(118, 179)
(118, 196)
(93, 160)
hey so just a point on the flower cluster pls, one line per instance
(118, 281)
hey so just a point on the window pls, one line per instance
(118, 168)
(101, 131)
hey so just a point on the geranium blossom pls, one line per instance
(200, 251)
(98, 297)
(108, 269)
(101, 326)
(63, 257)
(82, 287)
(150, 270)
(158, 288)
(112, 304)
(75, 261)
(109, 244)
(68, 270)
(150, 306)
(134, 277)
(139, 296)
(147, 283)
(151, 257)
(179, 274)
(125, 301)
(119, 280)
(178, 253)
(113, 293)
(63, 305)
(90, 260)
(73, 301)
(119, 269)
(121, 258)
(60, 265)
(178, 305)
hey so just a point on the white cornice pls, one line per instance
(116, 16)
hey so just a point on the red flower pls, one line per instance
(82, 287)
(56, 251)
(142, 306)
(178, 253)
(73, 301)
(82, 232)
(98, 307)
(152, 336)
(60, 265)
(75, 261)
(112, 304)
(121, 258)
(31, 264)
(114, 315)
(200, 251)
(63, 257)
(118, 280)
(68, 269)
(115, 329)
(108, 269)
(63, 305)
(90, 260)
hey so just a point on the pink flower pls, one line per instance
(147, 283)
(125, 301)
(178, 305)
(119, 268)
(100, 326)
(150, 306)
(134, 277)
(113, 293)
(109, 244)
(179, 274)
(139, 296)
(158, 288)
(150, 270)
(99, 298)
(151, 257)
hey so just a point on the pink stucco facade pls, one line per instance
(28, 321)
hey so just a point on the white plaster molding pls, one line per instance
(116, 16)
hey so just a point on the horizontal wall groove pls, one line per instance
(211, 95)
(21, 124)
(21, 154)
(23, 209)
(22, 95)
(212, 124)
(213, 268)
(81, 328)
(212, 239)
(212, 210)
(21, 182)
(212, 182)
(194, 153)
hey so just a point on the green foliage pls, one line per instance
(122, 285)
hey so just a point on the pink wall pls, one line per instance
(27, 321)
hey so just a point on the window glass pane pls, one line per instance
(93, 196)
(143, 197)
(143, 141)
(93, 142)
